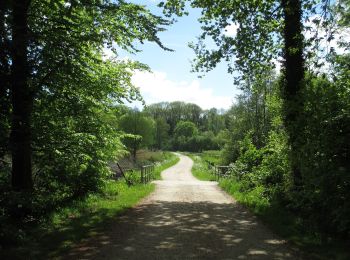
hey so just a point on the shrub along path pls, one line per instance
(185, 218)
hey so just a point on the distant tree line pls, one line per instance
(61, 124)
(173, 126)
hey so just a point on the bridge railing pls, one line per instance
(143, 174)
(147, 173)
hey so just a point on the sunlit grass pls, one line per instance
(200, 169)
(83, 218)
(213, 156)
(286, 224)
(279, 219)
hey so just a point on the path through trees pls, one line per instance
(185, 218)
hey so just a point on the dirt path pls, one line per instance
(185, 219)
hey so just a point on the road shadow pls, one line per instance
(184, 230)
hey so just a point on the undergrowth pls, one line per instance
(81, 219)
(200, 168)
(280, 219)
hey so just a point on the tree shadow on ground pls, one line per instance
(54, 242)
(183, 230)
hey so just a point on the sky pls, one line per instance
(171, 79)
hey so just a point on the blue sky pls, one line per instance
(171, 79)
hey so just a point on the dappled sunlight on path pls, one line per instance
(185, 219)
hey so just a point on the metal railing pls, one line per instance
(147, 172)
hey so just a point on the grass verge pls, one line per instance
(83, 218)
(200, 169)
(212, 156)
(284, 223)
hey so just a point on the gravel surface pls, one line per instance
(185, 219)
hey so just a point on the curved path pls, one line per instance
(185, 219)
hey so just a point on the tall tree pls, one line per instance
(64, 37)
(192, 112)
(294, 71)
(260, 27)
(139, 129)
(4, 78)
(161, 132)
(22, 98)
(175, 114)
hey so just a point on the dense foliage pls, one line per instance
(59, 95)
(61, 122)
(172, 126)
(187, 127)
(288, 134)
(261, 162)
(139, 130)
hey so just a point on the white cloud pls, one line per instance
(231, 30)
(156, 87)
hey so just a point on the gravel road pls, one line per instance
(185, 219)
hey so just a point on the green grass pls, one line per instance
(213, 156)
(286, 224)
(254, 199)
(83, 218)
(200, 168)
(279, 219)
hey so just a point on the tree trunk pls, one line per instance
(22, 99)
(4, 81)
(294, 80)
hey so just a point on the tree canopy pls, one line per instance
(63, 120)
(54, 50)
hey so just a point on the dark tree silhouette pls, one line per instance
(22, 99)
(293, 80)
